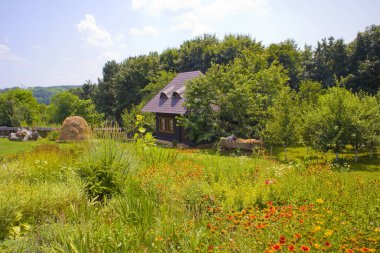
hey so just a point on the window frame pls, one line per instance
(168, 122)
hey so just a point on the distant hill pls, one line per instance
(44, 94)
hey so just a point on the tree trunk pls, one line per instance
(336, 156)
(356, 155)
(271, 150)
(370, 153)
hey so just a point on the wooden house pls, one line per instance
(168, 104)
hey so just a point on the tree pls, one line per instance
(234, 98)
(365, 123)
(288, 55)
(198, 54)
(19, 107)
(134, 75)
(365, 61)
(327, 126)
(282, 126)
(105, 95)
(66, 104)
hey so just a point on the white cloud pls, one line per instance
(196, 15)
(146, 30)
(190, 22)
(93, 34)
(7, 57)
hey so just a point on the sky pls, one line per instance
(47, 43)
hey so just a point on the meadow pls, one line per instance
(109, 196)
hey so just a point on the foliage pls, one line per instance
(104, 169)
(283, 123)
(234, 98)
(66, 104)
(181, 200)
(19, 107)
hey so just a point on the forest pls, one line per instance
(325, 96)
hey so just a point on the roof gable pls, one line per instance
(171, 98)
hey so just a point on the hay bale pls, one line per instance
(74, 128)
(244, 144)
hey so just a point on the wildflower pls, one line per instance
(291, 247)
(316, 229)
(282, 239)
(327, 244)
(328, 233)
(260, 225)
(377, 229)
(159, 238)
(317, 246)
(276, 247)
(349, 251)
(305, 248)
(320, 201)
(297, 235)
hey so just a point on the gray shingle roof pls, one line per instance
(165, 102)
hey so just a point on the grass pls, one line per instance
(8, 147)
(183, 201)
(365, 163)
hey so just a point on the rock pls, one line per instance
(74, 128)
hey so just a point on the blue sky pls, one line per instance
(44, 42)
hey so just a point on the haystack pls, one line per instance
(74, 128)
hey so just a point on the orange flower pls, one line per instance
(260, 225)
(276, 247)
(282, 239)
(297, 235)
(291, 247)
(349, 251)
(305, 248)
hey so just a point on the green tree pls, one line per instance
(234, 98)
(19, 107)
(288, 55)
(66, 104)
(282, 127)
(365, 123)
(327, 126)
(365, 61)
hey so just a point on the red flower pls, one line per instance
(305, 248)
(364, 249)
(276, 247)
(297, 235)
(327, 244)
(282, 239)
(350, 251)
(291, 247)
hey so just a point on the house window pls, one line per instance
(166, 125)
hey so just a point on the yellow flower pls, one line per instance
(377, 229)
(320, 200)
(329, 233)
(316, 229)
(317, 246)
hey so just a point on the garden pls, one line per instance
(104, 195)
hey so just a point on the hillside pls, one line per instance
(44, 94)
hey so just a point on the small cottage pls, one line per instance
(168, 104)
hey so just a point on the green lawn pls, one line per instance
(365, 163)
(8, 147)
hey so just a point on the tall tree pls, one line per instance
(288, 55)
(365, 61)
(282, 126)
(198, 53)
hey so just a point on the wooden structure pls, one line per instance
(168, 104)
